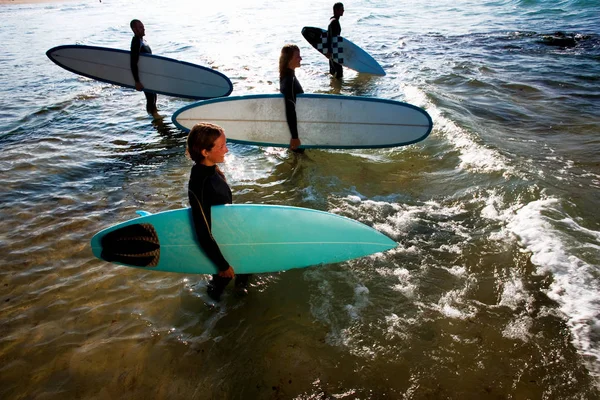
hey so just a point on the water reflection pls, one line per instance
(355, 85)
(164, 128)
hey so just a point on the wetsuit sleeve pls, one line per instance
(135, 56)
(202, 222)
(287, 89)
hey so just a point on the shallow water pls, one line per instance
(492, 292)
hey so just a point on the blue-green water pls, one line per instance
(493, 292)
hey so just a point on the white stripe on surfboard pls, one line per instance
(278, 244)
(303, 122)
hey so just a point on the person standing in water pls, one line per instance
(289, 86)
(334, 29)
(139, 45)
(206, 146)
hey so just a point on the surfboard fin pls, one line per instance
(135, 245)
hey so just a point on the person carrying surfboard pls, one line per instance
(139, 45)
(334, 29)
(206, 146)
(289, 60)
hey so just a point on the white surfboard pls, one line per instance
(324, 121)
(158, 74)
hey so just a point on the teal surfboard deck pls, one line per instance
(253, 238)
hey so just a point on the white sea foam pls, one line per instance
(575, 286)
(402, 218)
(361, 300)
(513, 293)
(518, 328)
(458, 271)
(452, 305)
(474, 156)
(396, 326)
(240, 170)
(400, 223)
(405, 284)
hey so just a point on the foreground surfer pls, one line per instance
(334, 29)
(206, 146)
(289, 86)
(139, 45)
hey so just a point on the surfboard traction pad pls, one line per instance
(135, 245)
(319, 41)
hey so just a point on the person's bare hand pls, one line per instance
(294, 144)
(228, 273)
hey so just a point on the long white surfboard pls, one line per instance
(324, 121)
(253, 238)
(158, 74)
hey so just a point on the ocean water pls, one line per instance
(493, 291)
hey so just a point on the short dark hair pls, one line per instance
(133, 22)
(337, 6)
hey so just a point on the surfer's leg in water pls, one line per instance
(241, 284)
(151, 104)
(336, 69)
(216, 286)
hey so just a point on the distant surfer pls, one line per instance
(206, 146)
(139, 45)
(289, 86)
(334, 29)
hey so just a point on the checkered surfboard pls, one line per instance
(318, 39)
(337, 47)
(344, 51)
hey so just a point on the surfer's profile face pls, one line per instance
(295, 61)
(139, 29)
(217, 153)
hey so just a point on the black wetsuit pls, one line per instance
(334, 29)
(139, 45)
(290, 87)
(207, 188)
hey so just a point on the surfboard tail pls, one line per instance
(135, 245)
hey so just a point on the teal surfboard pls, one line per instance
(253, 238)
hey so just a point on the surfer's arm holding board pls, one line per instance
(207, 188)
(333, 29)
(135, 56)
(138, 45)
(289, 86)
(287, 89)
